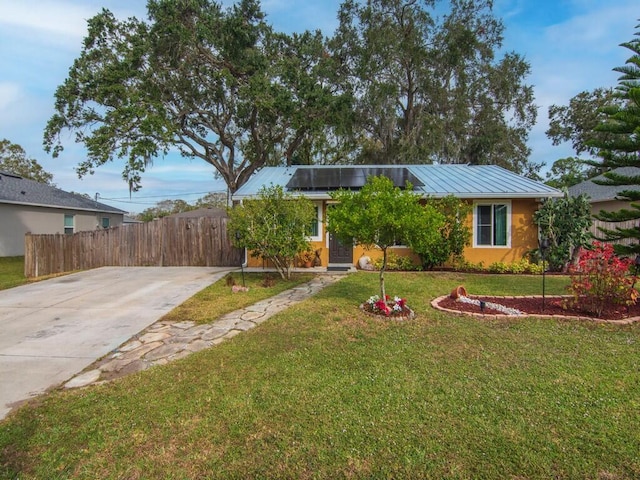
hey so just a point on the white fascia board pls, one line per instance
(496, 195)
(486, 195)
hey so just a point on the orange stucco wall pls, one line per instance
(523, 236)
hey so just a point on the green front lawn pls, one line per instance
(323, 391)
(12, 272)
(214, 301)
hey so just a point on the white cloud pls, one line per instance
(596, 31)
(63, 20)
(509, 8)
(10, 93)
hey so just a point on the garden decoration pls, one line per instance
(306, 258)
(396, 308)
(459, 294)
(317, 261)
(492, 305)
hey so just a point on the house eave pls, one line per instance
(464, 196)
(63, 207)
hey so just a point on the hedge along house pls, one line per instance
(502, 202)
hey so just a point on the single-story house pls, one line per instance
(501, 219)
(38, 208)
(604, 197)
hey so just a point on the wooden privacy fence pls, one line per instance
(167, 242)
(597, 224)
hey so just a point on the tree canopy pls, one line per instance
(13, 159)
(428, 85)
(567, 172)
(167, 207)
(400, 81)
(577, 122)
(215, 84)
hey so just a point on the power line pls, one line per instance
(129, 199)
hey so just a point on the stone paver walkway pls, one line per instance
(163, 342)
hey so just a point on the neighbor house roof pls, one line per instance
(603, 193)
(201, 212)
(21, 191)
(462, 181)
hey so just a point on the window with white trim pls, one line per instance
(314, 227)
(69, 224)
(106, 222)
(492, 224)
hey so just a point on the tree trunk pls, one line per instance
(383, 293)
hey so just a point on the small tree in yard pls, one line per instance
(274, 227)
(380, 215)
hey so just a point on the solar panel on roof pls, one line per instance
(349, 178)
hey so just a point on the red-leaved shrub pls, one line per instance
(601, 278)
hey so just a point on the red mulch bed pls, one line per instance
(552, 306)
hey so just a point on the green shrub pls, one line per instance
(524, 266)
(565, 222)
(498, 267)
(463, 265)
(448, 241)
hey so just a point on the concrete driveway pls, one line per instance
(53, 329)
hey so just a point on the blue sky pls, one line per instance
(572, 45)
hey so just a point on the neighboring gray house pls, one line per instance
(29, 206)
(603, 197)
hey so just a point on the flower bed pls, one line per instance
(394, 308)
(553, 305)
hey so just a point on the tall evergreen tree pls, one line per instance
(621, 148)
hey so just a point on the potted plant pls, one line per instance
(306, 258)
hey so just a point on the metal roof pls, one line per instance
(21, 191)
(462, 181)
(603, 193)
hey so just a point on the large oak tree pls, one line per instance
(430, 85)
(215, 84)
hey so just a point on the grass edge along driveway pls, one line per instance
(324, 391)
